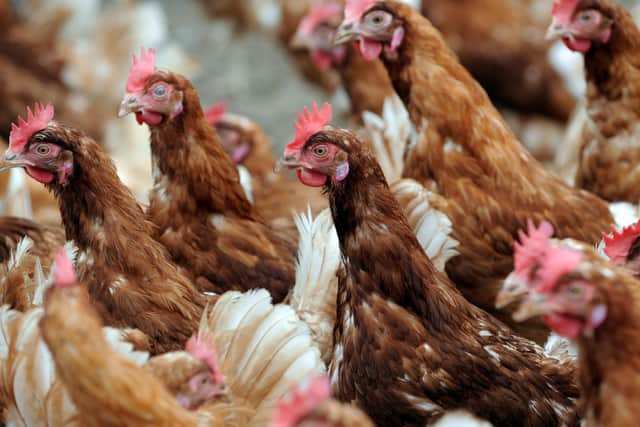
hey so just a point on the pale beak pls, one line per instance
(301, 40)
(347, 31)
(11, 160)
(513, 289)
(129, 104)
(556, 31)
(535, 305)
(289, 160)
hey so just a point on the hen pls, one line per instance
(201, 213)
(396, 315)
(366, 83)
(125, 270)
(595, 304)
(466, 153)
(607, 36)
(275, 195)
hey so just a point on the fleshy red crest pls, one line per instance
(318, 14)
(142, 68)
(303, 399)
(356, 8)
(557, 262)
(37, 120)
(562, 11)
(617, 244)
(309, 123)
(64, 275)
(202, 348)
(531, 245)
(214, 113)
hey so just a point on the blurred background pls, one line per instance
(77, 54)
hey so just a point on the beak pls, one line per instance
(535, 305)
(556, 30)
(513, 289)
(129, 104)
(300, 40)
(289, 160)
(347, 31)
(11, 160)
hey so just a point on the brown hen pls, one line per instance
(408, 346)
(597, 305)
(609, 39)
(466, 152)
(200, 210)
(129, 275)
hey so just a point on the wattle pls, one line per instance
(370, 49)
(238, 154)
(310, 178)
(148, 117)
(564, 325)
(321, 59)
(40, 175)
(577, 45)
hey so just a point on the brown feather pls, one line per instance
(492, 183)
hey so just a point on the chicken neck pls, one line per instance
(193, 175)
(375, 238)
(608, 360)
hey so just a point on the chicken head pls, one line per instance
(316, 33)
(581, 23)
(562, 292)
(35, 146)
(151, 94)
(374, 26)
(316, 157)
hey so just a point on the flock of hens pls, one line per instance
(420, 267)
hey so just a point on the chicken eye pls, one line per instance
(321, 151)
(43, 149)
(575, 290)
(159, 91)
(379, 18)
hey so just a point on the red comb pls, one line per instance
(309, 123)
(141, 70)
(202, 348)
(562, 10)
(63, 275)
(303, 399)
(214, 113)
(531, 246)
(617, 244)
(355, 9)
(557, 262)
(37, 120)
(318, 14)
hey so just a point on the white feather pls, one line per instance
(389, 135)
(245, 182)
(432, 227)
(263, 350)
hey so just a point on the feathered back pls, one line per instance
(314, 294)
(262, 349)
(432, 227)
(388, 135)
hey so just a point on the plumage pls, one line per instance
(609, 150)
(197, 205)
(467, 154)
(129, 275)
(396, 314)
(596, 305)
